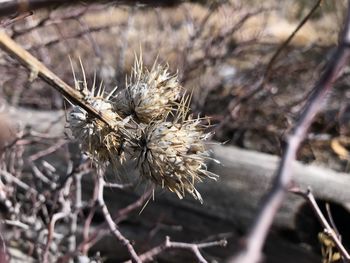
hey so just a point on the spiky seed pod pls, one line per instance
(96, 138)
(101, 141)
(173, 156)
(169, 153)
(149, 95)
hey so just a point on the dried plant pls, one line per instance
(151, 122)
(149, 95)
(102, 143)
(172, 154)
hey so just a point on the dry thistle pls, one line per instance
(173, 155)
(170, 150)
(97, 139)
(149, 95)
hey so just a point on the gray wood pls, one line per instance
(230, 203)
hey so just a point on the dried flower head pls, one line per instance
(173, 155)
(169, 149)
(97, 138)
(149, 95)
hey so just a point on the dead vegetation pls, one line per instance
(220, 52)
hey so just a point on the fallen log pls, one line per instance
(229, 203)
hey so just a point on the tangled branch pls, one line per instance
(13, 6)
(257, 235)
(327, 227)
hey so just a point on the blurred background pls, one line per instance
(220, 51)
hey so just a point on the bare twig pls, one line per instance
(124, 43)
(3, 250)
(64, 212)
(99, 232)
(14, 19)
(327, 227)
(272, 61)
(38, 174)
(9, 7)
(13, 179)
(49, 20)
(118, 186)
(85, 245)
(262, 81)
(51, 229)
(122, 213)
(194, 248)
(39, 69)
(257, 235)
(76, 35)
(331, 220)
(47, 151)
(76, 210)
(111, 224)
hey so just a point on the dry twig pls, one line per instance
(261, 83)
(111, 224)
(38, 69)
(257, 235)
(273, 59)
(327, 227)
(9, 7)
(194, 248)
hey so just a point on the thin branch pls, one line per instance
(262, 81)
(13, 179)
(327, 227)
(65, 211)
(111, 224)
(122, 213)
(331, 220)
(72, 242)
(100, 232)
(51, 230)
(9, 7)
(76, 35)
(38, 69)
(256, 237)
(194, 248)
(14, 19)
(47, 151)
(119, 186)
(267, 73)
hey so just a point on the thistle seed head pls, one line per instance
(173, 156)
(149, 95)
(96, 138)
(101, 142)
(170, 150)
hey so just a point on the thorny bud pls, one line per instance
(149, 95)
(173, 155)
(169, 148)
(101, 142)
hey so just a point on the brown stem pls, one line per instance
(287, 41)
(194, 248)
(38, 69)
(327, 227)
(111, 224)
(256, 237)
(9, 7)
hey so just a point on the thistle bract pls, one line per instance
(149, 95)
(96, 138)
(173, 156)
